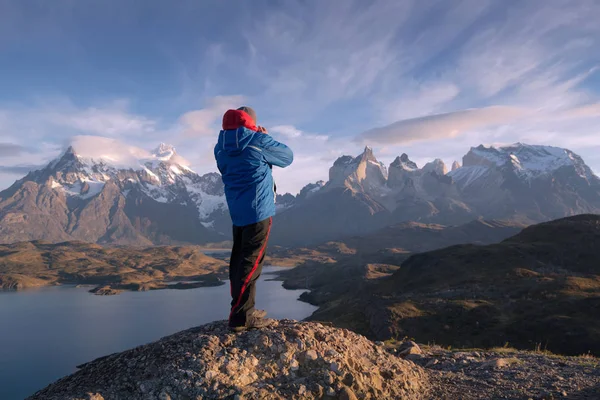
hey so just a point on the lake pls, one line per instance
(45, 333)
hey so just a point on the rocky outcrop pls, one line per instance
(362, 173)
(288, 360)
(436, 166)
(401, 169)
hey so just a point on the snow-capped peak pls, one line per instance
(97, 150)
(164, 152)
(90, 162)
(113, 154)
(527, 161)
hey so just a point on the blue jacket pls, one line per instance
(245, 158)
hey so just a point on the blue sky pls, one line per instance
(321, 75)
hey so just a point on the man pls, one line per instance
(245, 155)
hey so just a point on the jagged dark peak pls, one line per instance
(404, 162)
(213, 177)
(68, 159)
(343, 160)
(366, 155)
(315, 185)
(69, 154)
(310, 189)
(70, 151)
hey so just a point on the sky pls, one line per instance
(426, 78)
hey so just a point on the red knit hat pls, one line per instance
(250, 111)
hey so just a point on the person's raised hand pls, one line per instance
(262, 129)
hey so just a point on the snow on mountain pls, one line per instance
(161, 174)
(530, 160)
(401, 171)
(85, 190)
(404, 163)
(103, 191)
(526, 161)
(207, 192)
(466, 175)
(164, 152)
(100, 150)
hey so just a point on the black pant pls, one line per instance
(245, 266)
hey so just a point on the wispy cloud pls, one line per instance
(586, 111)
(291, 132)
(422, 99)
(207, 120)
(288, 131)
(110, 122)
(438, 76)
(314, 54)
(11, 149)
(61, 118)
(440, 126)
(18, 169)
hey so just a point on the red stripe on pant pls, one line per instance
(249, 277)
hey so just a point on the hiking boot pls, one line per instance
(252, 322)
(259, 313)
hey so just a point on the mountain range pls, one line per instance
(133, 197)
(142, 199)
(521, 183)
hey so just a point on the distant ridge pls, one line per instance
(521, 183)
(102, 191)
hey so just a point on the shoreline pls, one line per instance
(114, 288)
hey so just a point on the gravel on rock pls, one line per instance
(514, 375)
(287, 360)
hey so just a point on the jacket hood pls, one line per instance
(234, 119)
(238, 130)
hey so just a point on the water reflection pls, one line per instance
(45, 333)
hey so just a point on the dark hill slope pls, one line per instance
(540, 288)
